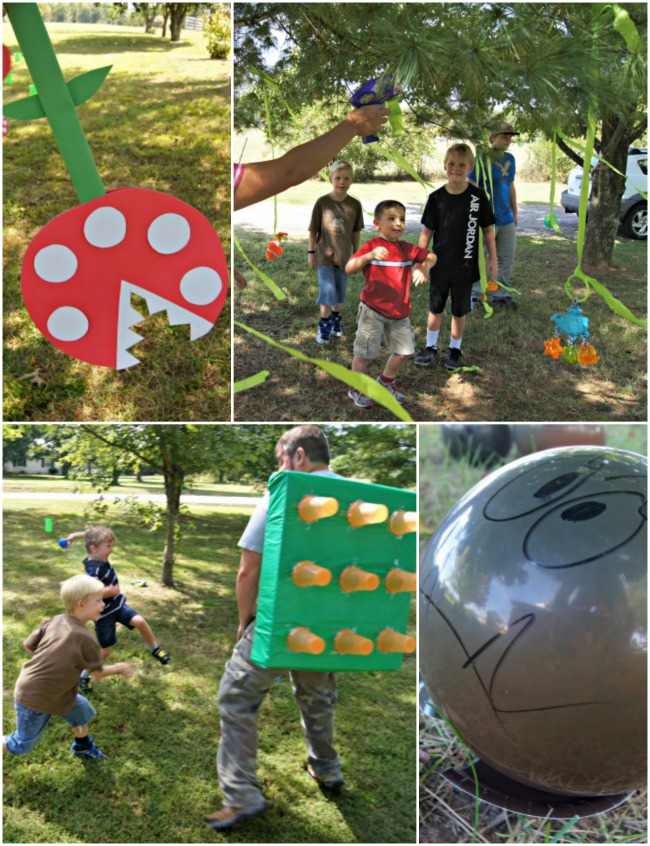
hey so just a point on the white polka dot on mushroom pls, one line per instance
(201, 285)
(168, 233)
(67, 323)
(56, 263)
(105, 227)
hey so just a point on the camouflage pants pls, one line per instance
(242, 689)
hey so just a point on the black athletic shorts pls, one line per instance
(461, 296)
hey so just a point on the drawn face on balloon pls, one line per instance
(82, 268)
(533, 623)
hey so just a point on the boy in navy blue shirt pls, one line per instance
(99, 542)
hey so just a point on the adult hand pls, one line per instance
(368, 119)
(311, 261)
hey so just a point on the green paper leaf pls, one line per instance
(360, 381)
(251, 381)
(278, 293)
(83, 87)
(29, 108)
(612, 302)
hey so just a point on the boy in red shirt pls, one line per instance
(387, 265)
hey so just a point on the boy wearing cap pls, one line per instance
(334, 231)
(504, 205)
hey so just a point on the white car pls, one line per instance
(634, 206)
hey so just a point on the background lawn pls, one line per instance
(516, 381)
(160, 730)
(446, 815)
(161, 120)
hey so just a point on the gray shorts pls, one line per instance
(373, 329)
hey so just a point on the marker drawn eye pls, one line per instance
(536, 488)
(583, 511)
(556, 485)
(586, 529)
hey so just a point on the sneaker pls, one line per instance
(359, 399)
(453, 360)
(161, 655)
(85, 685)
(91, 751)
(390, 386)
(426, 356)
(328, 785)
(337, 325)
(324, 330)
(228, 817)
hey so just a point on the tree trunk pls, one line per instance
(607, 188)
(173, 487)
(115, 476)
(177, 20)
(174, 476)
(165, 19)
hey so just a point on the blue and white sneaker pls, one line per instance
(337, 324)
(91, 752)
(324, 330)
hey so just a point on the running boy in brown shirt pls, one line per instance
(61, 647)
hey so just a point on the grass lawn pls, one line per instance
(128, 485)
(160, 730)
(516, 381)
(161, 120)
(446, 815)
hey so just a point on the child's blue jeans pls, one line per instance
(30, 724)
(332, 285)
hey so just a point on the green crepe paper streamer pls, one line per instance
(32, 90)
(468, 368)
(9, 79)
(589, 282)
(56, 99)
(48, 525)
(626, 28)
(551, 219)
(251, 381)
(395, 116)
(401, 162)
(365, 384)
(600, 158)
(81, 88)
(278, 293)
(269, 132)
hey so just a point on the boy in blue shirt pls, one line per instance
(504, 205)
(99, 542)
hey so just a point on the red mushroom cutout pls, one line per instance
(81, 269)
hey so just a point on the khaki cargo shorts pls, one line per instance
(373, 329)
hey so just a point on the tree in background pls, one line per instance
(384, 454)
(216, 29)
(462, 67)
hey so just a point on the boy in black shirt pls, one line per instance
(99, 545)
(454, 214)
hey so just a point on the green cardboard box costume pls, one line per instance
(335, 596)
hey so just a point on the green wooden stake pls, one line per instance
(55, 97)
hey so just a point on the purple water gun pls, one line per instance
(374, 92)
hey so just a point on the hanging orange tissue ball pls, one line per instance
(553, 348)
(492, 286)
(587, 355)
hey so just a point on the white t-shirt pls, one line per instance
(253, 537)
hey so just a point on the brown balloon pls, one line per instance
(533, 633)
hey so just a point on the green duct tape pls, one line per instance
(334, 544)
